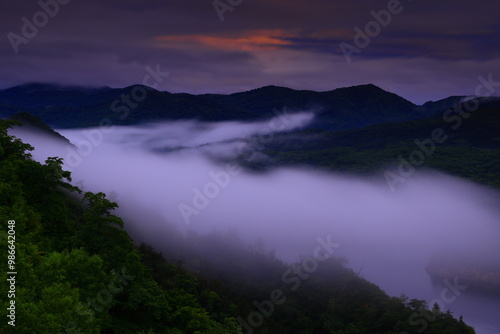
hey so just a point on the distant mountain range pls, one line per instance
(356, 129)
(339, 109)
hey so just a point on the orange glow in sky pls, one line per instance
(248, 41)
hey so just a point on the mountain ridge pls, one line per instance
(338, 109)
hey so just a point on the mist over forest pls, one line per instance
(173, 179)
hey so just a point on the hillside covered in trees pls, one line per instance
(78, 271)
(469, 147)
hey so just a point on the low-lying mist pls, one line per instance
(175, 178)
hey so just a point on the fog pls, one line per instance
(175, 178)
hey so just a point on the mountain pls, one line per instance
(359, 106)
(443, 104)
(40, 95)
(340, 109)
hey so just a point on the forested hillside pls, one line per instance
(78, 271)
(468, 147)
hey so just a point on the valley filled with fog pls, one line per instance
(182, 177)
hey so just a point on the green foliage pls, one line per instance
(11, 147)
(53, 311)
(80, 270)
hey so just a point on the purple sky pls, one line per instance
(428, 50)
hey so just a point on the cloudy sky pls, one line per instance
(423, 50)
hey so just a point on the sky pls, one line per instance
(419, 49)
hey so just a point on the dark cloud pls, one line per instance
(110, 43)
